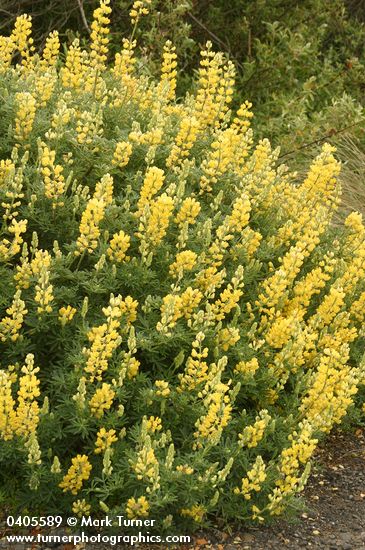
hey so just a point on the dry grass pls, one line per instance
(352, 154)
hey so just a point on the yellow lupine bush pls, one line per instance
(179, 321)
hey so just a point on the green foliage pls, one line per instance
(179, 320)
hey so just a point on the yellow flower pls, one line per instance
(240, 215)
(102, 400)
(158, 220)
(152, 183)
(227, 337)
(154, 424)
(27, 412)
(25, 115)
(188, 212)
(122, 154)
(255, 477)
(138, 9)
(137, 508)
(196, 512)
(184, 261)
(162, 388)
(81, 508)
(218, 413)
(44, 292)
(146, 466)
(99, 35)
(21, 39)
(53, 179)
(168, 71)
(185, 469)
(124, 66)
(196, 368)
(184, 141)
(78, 472)
(104, 440)
(76, 66)
(89, 226)
(12, 323)
(118, 247)
(66, 314)
(252, 435)
(228, 299)
(50, 51)
(247, 367)
(7, 403)
(89, 127)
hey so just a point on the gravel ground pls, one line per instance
(334, 518)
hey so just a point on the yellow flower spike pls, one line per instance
(152, 183)
(321, 180)
(89, 226)
(228, 337)
(154, 424)
(44, 292)
(331, 387)
(124, 64)
(50, 51)
(122, 154)
(76, 67)
(6, 52)
(99, 35)
(66, 314)
(357, 309)
(146, 466)
(219, 159)
(7, 407)
(196, 512)
(102, 400)
(105, 338)
(168, 71)
(298, 453)
(240, 215)
(329, 307)
(27, 412)
(118, 247)
(196, 370)
(162, 388)
(89, 127)
(158, 221)
(184, 261)
(210, 102)
(53, 179)
(252, 435)
(22, 40)
(247, 368)
(139, 8)
(81, 508)
(189, 300)
(11, 324)
(255, 477)
(78, 472)
(137, 508)
(229, 297)
(218, 408)
(184, 141)
(25, 115)
(189, 211)
(105, 439)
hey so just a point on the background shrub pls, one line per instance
(299, 63)
(180, 322)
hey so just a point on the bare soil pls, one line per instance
(335, 501)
